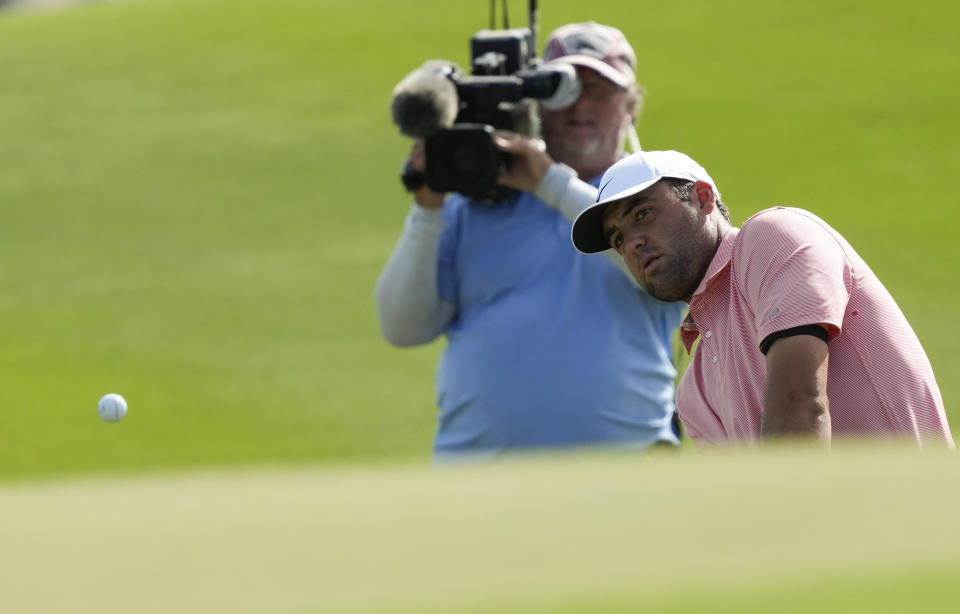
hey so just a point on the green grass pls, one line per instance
(862, 530)
(198, 195)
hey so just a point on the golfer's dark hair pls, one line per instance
(682, 187)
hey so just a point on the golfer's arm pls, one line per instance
(796, 401)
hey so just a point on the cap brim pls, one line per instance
(623, 79)
(587, 231)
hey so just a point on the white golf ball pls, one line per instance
(112, 408)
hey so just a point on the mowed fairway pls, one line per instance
(860, 530)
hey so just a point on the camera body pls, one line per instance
(457, 115)
(463, 158)
(506, 79)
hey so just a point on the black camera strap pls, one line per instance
(411, 178)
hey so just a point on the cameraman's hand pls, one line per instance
(425, 197)
(530, 160)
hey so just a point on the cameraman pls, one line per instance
(545, 347)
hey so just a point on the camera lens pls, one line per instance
(463, 159)
(468, 159)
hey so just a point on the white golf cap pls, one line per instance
(629, 176)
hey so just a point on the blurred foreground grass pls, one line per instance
(860, 529)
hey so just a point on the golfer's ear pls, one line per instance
(704, 196)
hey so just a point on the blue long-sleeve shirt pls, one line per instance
(546, 346)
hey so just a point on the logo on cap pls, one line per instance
(588, 43)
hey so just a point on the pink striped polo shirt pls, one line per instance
(784, 268)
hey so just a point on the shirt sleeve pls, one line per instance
(561, 189)
(792, 271)
(408, 305)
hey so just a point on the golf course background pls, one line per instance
(198, 195)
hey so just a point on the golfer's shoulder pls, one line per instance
(783, 225)
(779, 219)
(770, 239)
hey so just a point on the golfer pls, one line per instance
(795, 334)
